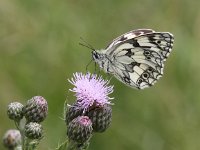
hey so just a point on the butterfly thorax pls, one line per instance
(102, 60)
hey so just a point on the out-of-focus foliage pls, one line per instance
(39, 50)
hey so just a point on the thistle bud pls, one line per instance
(36, 109)
(12, 139)
(80, 129)
(15, 111)
(101, 118)
(33, 130)
(73, 112)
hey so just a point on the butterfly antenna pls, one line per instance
(86, 44)
(95, 67)
(110, 77)
(88, 65)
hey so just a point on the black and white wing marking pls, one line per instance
(129, 35)
(138, 56)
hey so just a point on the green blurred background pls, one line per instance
(39, 51)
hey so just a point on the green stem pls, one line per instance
(18, 147)
(30, 144)
(62, 146)
(77, 146)
(71, 145)
(27, 144)
(19, 126)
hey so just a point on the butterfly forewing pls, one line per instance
(129, 35)
(137, 58)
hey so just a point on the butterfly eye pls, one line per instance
(95, 55)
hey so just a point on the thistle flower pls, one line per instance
(12, 139)
(14, 111)
(90, 90)
(80, 129)
(36, 109)
(33, 130)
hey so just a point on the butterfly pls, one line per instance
(136, 58)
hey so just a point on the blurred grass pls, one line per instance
(39, 50)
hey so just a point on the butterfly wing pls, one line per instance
(138, 60)
(129, 35)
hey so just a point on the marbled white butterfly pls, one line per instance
(136, 58)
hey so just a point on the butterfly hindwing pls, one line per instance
(139, 61)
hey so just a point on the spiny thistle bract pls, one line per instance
(12, 139)
(101, 118)
(33, 130)
(36, 109)
(73, 111)
(80, 129)
(15, 111)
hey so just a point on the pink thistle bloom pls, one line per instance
(91, 90)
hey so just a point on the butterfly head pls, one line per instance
(95, 55)
(99, 57)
